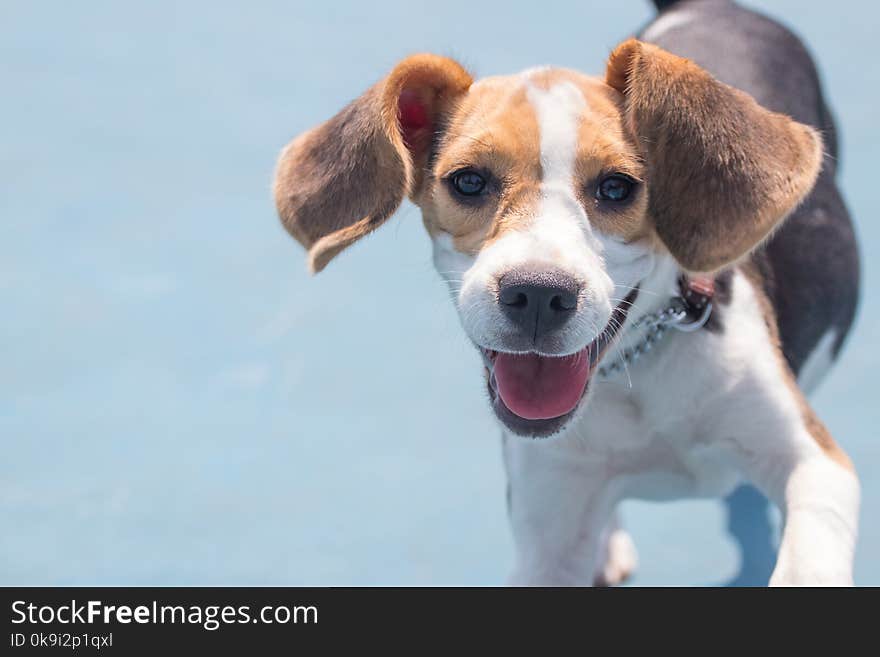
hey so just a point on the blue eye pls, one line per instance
(616, 187)
(468, 182)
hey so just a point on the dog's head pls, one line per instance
(549, 197)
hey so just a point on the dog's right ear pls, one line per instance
(341, 180)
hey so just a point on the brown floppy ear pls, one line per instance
(341, 180)
(723, 171)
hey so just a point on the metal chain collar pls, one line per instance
(678, 315)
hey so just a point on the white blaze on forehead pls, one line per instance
(559, 110)
(561, 221)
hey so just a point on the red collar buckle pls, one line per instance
(697, 293)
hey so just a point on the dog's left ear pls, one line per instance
(723, 171)
(342, 179)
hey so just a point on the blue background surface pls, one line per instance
(181, 404)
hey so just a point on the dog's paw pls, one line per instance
(620, 559)
(811, 576)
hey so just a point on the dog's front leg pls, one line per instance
(559, 501)
(820, 503)
(818, 493)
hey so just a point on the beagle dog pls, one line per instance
(654, 266)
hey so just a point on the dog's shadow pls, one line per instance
(748, 522)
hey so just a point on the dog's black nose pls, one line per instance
(538, 301)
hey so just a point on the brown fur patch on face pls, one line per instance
(813, 424)
(605, 148)
(495, 131)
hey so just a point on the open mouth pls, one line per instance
(535, 395)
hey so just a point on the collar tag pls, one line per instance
(697, 290)
(697, 293)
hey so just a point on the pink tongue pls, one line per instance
(540, 388)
